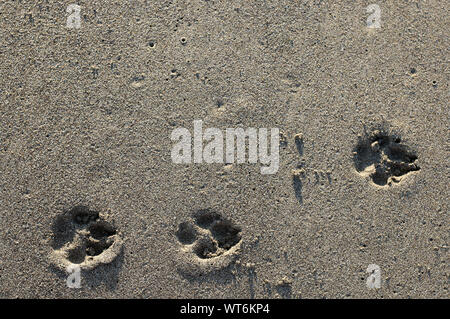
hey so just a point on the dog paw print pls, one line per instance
(81, 236)
(384, 158)
(209, 235)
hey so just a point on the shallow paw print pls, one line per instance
(209, 236)
(384, 158)
(82, 237)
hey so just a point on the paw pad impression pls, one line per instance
(384, 158)
(81, 236)
(209, 236)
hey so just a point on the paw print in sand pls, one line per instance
(384, 158)
(209, 237)
(82, 237)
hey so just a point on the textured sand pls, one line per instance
(86, 116)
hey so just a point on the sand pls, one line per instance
(86, 116)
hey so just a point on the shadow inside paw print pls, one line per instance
(210, 235)
(81, 236)
(384, 158)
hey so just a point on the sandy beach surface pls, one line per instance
(90, 96)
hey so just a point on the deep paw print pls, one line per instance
(209, 236)
(82, 237)
(384, 158)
